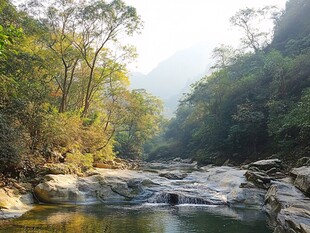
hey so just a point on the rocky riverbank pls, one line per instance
(261, 185)
(13, 204)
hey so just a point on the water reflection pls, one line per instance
(137, 219)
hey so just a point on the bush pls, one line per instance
(82, 161)
(11, 145)
(62, 130)
(69, 133)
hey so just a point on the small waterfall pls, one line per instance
(178, 198)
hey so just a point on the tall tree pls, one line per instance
(250, 21)
(60, 20)
(100, 24)
(87, 35)
(142, 120)
(223, 56)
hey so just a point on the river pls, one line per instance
(141, 218)
(170, 197)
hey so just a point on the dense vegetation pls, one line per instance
(64, 89)
(256, 102)
(65, 98)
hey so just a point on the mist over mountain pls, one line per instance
(173, 76)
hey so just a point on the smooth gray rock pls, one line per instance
(267, 164)
(288, 207)
(73, 189)
(302, 178)
(214, 185)
(14, 205)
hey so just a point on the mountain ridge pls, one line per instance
(173, 76)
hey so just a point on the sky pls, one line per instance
(173, 25)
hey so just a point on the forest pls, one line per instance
(65, 96)
(81, 150)
(64, 87)
(255, 104)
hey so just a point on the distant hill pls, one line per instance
(173, 76)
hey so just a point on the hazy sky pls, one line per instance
(172, 25)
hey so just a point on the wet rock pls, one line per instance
(58, 189)
(302, 178)
(216, 185)
(175, 198)
(248, 185)
(266, 165)
(272, 171)
(226, 181)
(295, 219)
(178, 159)
(288, 208)
(173, 176)
(103, 186)
(260, 179)
(272, 203)
(13, 204)
(174, 165)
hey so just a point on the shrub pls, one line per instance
(82, 161)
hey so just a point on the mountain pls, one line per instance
(173, 76)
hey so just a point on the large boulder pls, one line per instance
(295, 219)
(288, 208)
(58, 189)
(105, 186)
(13, 204)
(228, 184)
(267, 164)
(302, 178)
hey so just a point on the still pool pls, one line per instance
(137, 219)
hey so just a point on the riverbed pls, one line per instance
(159, 197)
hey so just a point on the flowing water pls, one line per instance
(145, 218)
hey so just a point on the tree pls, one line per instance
(142, 122)
(292, 29)
(85, 38)
(249, 21)
(9, 28)
(100, 24)
(248, 128)
(60, 20)
(24, 90)
(223, 56)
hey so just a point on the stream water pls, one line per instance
(145, 218)
(172, 198)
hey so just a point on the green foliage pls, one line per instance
(293, 126)
(62, 130)
(249, 21)
(141, 123)
(9, 146)
(82, 161)
(253, 104)
(292, 30)
(64, 91)
(66, 132)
